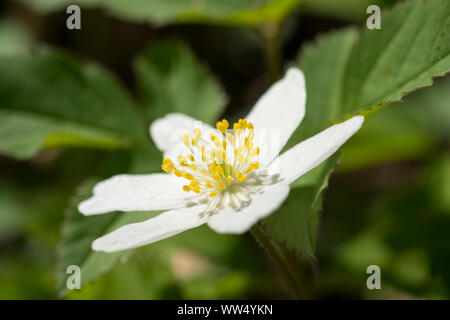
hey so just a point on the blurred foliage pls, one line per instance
(57, 101)
(230, 12)
(13, 39)
(171, 80)
(402, 229)
(388, 204)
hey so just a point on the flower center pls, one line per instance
(215, 163)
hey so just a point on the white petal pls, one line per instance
(169, 130)
(165, 225)
(159, 191)
(229, 220)
(278, 113)
(310, 153)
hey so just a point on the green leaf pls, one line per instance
(407, 130)
(412, 46)
(346, 74)
(50, 99)
(78, 231)
(13, 39)
(11, 215)
(229, 12)
(324, 67)
(296, 223)
(354, 10)
(171, 80)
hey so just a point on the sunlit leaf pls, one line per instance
(347, 73)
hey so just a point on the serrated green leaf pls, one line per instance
(171, 80)
(324, 67)
(346, 74)
(50, 99)
(296, 223)
(408, 130)
(229, 12)
(342, 9)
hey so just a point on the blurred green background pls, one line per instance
(388, 202)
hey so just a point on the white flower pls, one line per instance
(226, 179)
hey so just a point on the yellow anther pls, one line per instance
(218, 169)
(222, 126)
(194, 183)
(254, 152)
(252, 166)
(167, 168)
(240, 176)
(209, 166)
(186, 139)
(182, 160)
(178, 173)
(203, 154)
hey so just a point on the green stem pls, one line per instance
(287, 268)
(270, 32)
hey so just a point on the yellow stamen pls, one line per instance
(213, 167)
